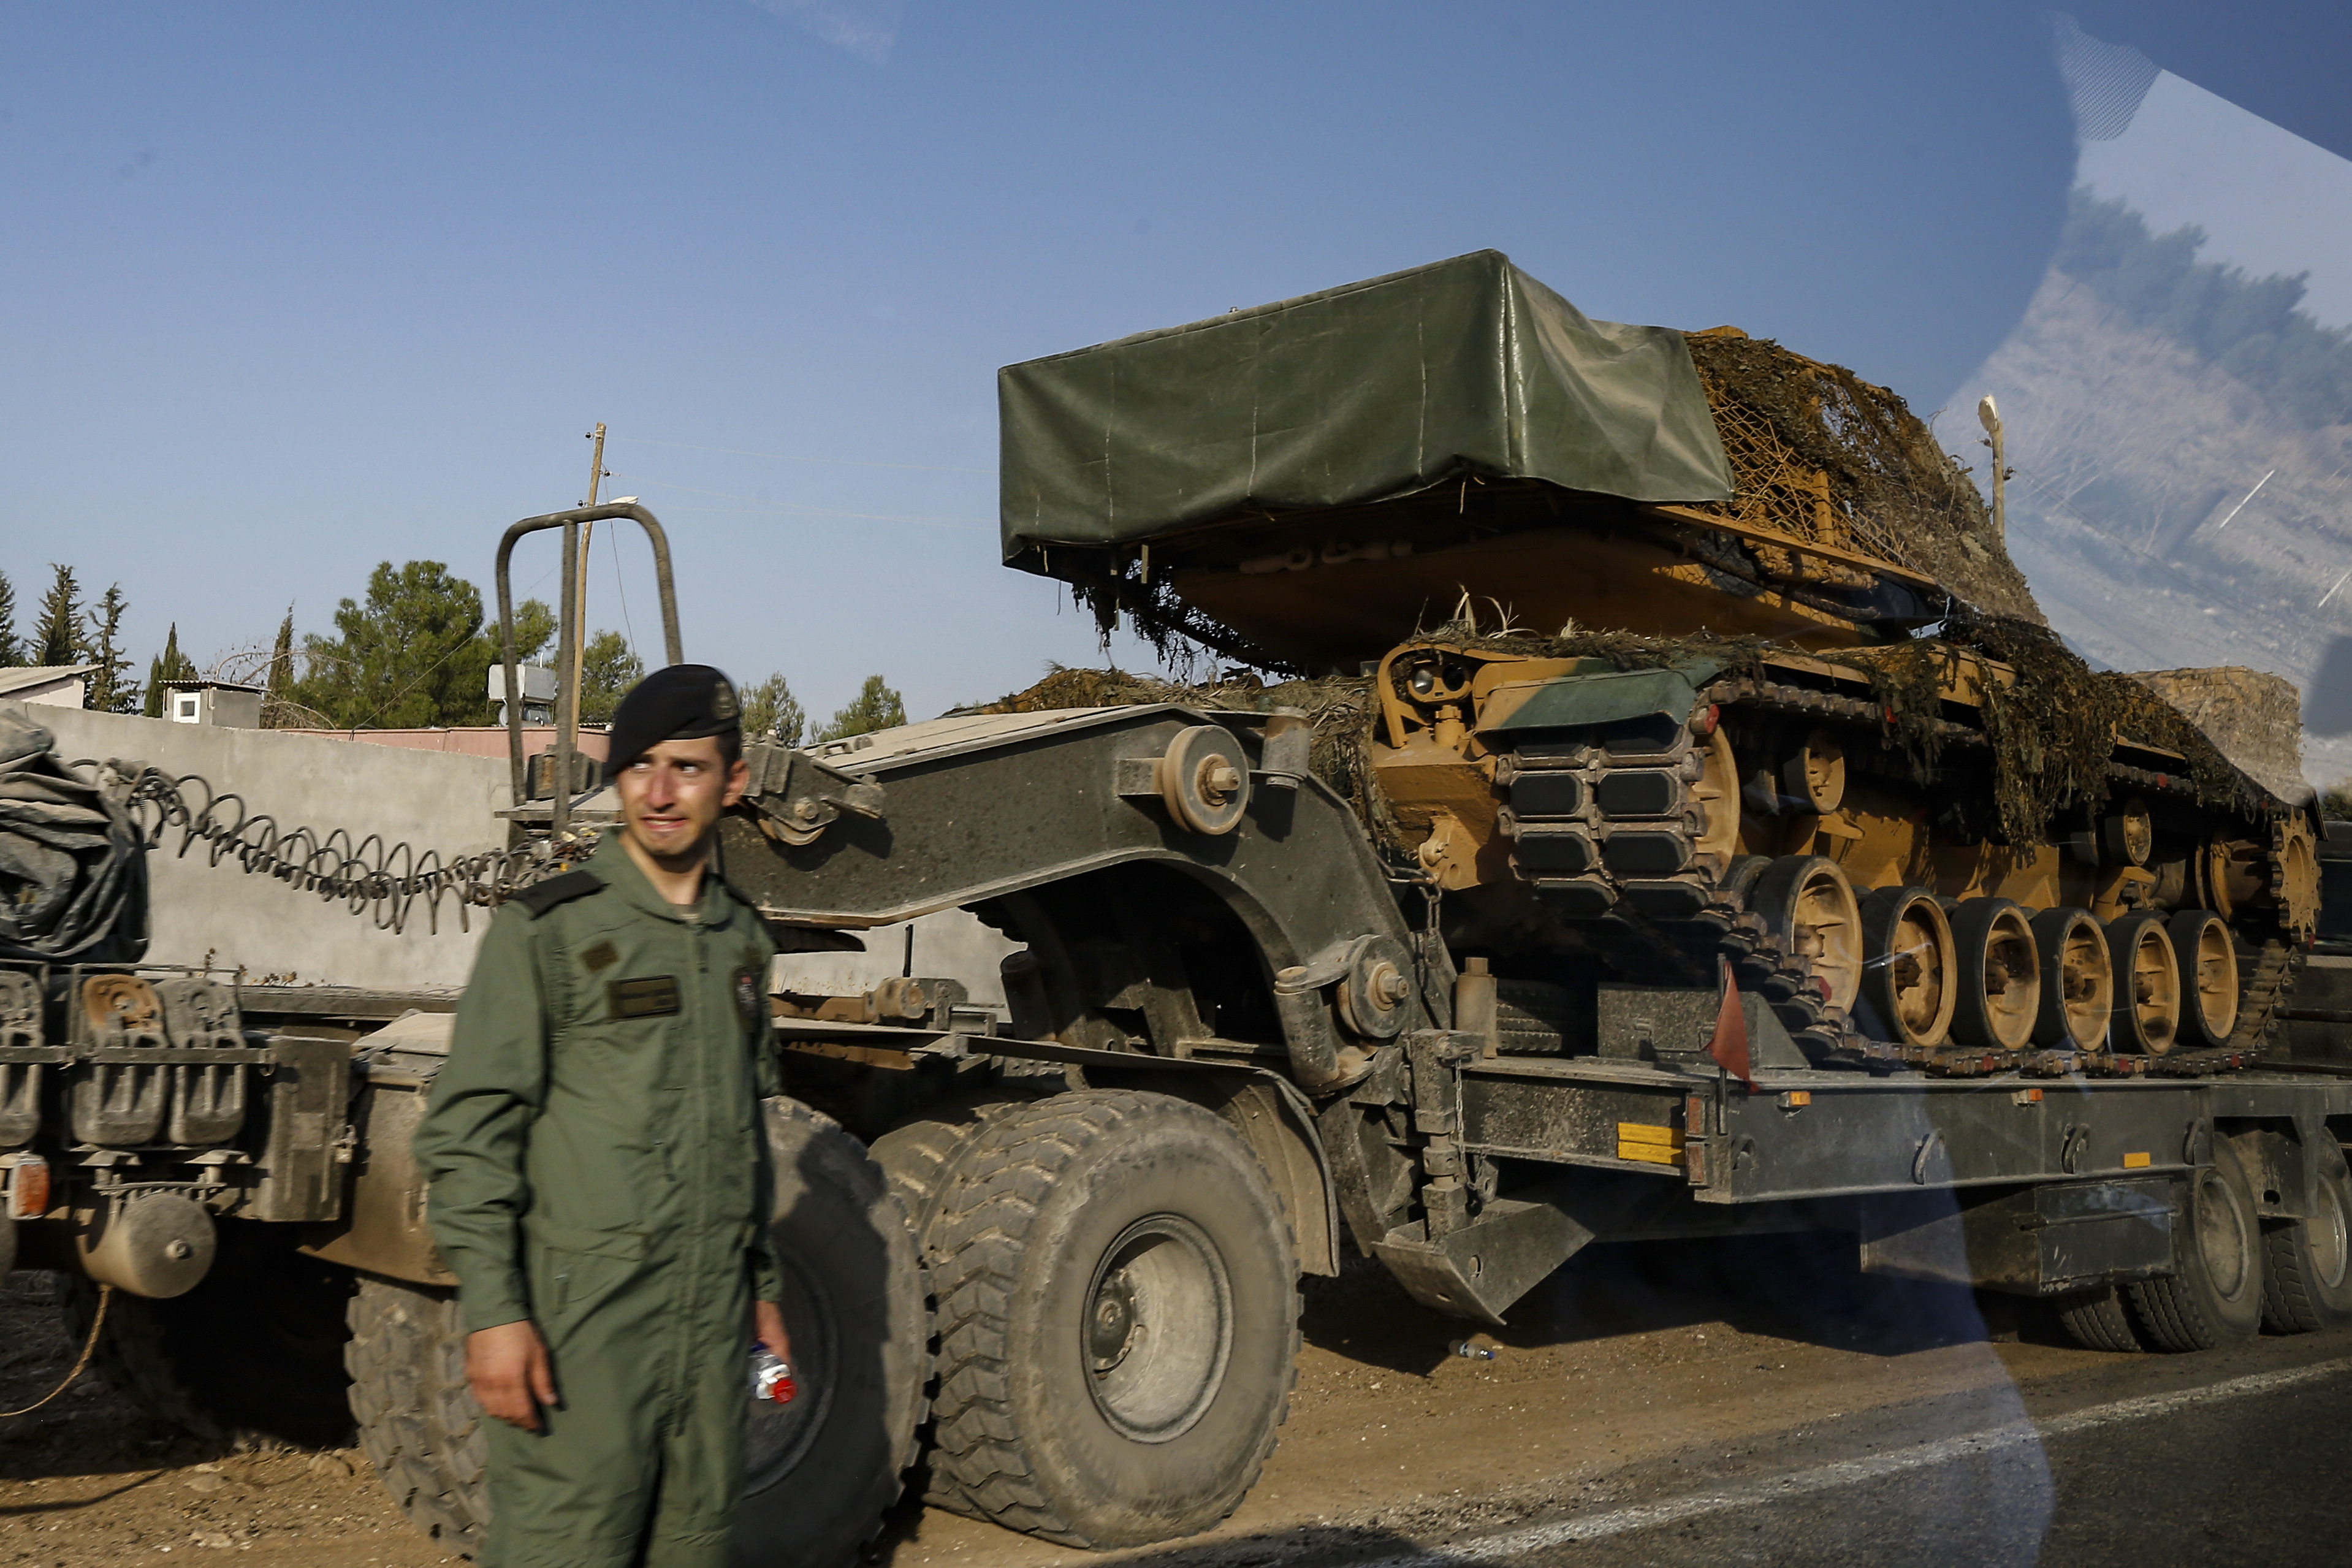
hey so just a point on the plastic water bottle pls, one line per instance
(771, 1376)
(1471, 1349)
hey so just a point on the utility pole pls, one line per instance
(1988, 417)
(580, 588)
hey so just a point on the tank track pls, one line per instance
(1605, 830)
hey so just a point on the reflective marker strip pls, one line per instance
(2134, 1161)
(1649, 1144)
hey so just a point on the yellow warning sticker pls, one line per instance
(1649, 1144)
(2136, 1162)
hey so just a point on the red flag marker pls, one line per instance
(1729, 1047)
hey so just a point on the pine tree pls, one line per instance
(169, 665)
(607, 671)
(103, 643)
(877, 707)
(12, 651)
(770, 712)
(56, 637)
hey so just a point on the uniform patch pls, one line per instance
(747, 996)
(654, 996)
(601, 956)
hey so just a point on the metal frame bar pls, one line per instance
(567, 706)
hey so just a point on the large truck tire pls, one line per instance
(2099, 1319)
(418, 1422)
(819, 1473)
(2307, 1263)
(1119, 1320)
(2217, 1297)
(922, 1156)
(253, 1354)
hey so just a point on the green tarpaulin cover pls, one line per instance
(1356, 394)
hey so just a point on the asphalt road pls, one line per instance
(2234, 1456)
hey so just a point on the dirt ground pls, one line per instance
(1632, 1357)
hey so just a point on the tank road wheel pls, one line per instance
(2001, 974)
(253, 1353)
(1815, 776)
(2148, 985)
(2100, 1319)
(2217, 1297)
(1809, 910)
(1119, 1320)
(818, 1473)
(2307, 1263)
(2078, 984)
(1909, 965)
(2207, 956)
(1717, 796)
(418, 1422)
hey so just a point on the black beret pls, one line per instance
(683, 702)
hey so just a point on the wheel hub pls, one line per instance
(1110, 1323)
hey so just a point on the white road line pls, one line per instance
(1850, 1472)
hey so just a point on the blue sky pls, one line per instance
(288, 290)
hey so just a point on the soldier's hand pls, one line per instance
(767, 1328)
(509, 1371)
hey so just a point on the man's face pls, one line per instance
(672, 796)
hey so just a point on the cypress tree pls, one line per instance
(56, 636)
(102, 644)
(169, 665)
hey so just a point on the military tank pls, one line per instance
(1653, 655)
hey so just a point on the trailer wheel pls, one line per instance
(1119, 1320)
(2100, 1319)
(253, 1354)
(418, 1422)
(2217, 1297)
(820, 1472)
(921, 1157)
(2307, 1263)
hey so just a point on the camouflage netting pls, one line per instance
(2050, 734)
(2257, 718)
(1820, 453)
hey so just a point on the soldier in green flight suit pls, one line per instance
(599, 1169)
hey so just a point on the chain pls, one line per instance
(380, 878)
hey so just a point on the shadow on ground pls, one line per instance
(1807, 1286)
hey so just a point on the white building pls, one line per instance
(53, 685)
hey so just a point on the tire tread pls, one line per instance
(979, 1466)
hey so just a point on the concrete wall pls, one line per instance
(218, 914)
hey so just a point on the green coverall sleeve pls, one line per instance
(471, 1142)
(767, 1082)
